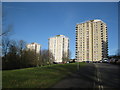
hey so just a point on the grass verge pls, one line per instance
(37, 77)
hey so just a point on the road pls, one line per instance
(107, 76)
(93, 75)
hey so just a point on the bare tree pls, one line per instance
(66, 57)
(12, 58)
(5, 45)
(5, 50)
(21, 47)
(51, 57)
(6, 28)
(46, 57)
(7, 31)
(5, 42)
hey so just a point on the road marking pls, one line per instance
(102, 87)
(98, 78)
(94, 85)
(99, 87)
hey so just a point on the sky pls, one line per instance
(38, 21)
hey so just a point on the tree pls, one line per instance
(12, 53)
(16, 56)
(11, 60)
(6, 28)
(29, 58)
(5, 50)
(51, 57)
(21, 48)
(7, 31)
(116, 56)
(66, 57)
(46, 57)
(5, 45)
(4, 35)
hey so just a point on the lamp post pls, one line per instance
(78, 61)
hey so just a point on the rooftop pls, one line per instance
(59, 36)
(95, 20)
(34, 43)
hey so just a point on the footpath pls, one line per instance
(84, 78)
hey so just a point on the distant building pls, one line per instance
(34, 46)
(91, 41)
(59, 46)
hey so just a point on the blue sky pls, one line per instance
(36, 22)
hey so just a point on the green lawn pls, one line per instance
(37, 77)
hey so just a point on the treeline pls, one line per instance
(16, 56)
(117, 56)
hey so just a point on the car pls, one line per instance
(104, 61)
(100, 61)
(118, 61)
(87, 61)
(95, 61)
(55, 63)
(67, 62)
(113, 61)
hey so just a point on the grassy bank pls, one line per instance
(37, 77)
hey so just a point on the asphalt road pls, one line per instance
(107, 76)
(93, 75)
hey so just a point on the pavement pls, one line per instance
(93, 76)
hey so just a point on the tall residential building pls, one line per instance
(91, 41)
(59, 46)
(34, 46)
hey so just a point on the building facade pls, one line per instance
(91, 41)
(34, 46)
(59, 46)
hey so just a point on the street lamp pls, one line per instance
(78, 61)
